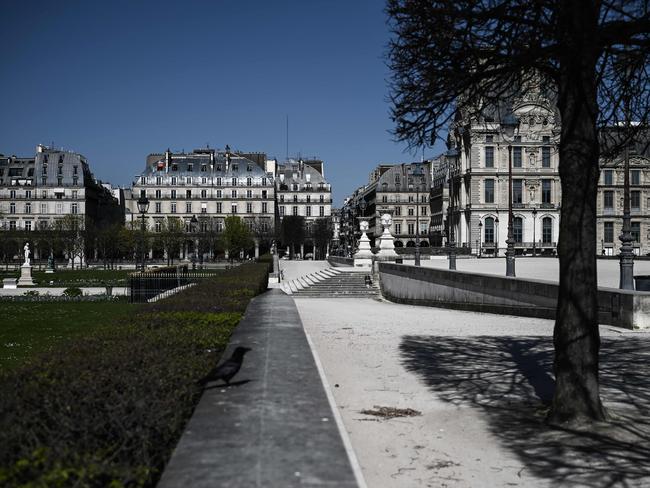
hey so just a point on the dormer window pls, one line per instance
(190, 167)
(174, 167)
(218, 167)
(234, 182)
(249, 168)
(61, 159)
(235, 167)
(204, 168)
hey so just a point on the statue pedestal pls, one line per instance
(25, 276)
(386, 247)
(363, 257)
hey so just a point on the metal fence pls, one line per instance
(150, 285)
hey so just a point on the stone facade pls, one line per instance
(209, 185)
(526, 136)
(36, 191)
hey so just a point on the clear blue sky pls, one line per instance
(117, 80)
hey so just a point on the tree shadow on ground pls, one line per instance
(509, 379)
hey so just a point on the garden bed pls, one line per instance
(107, 408)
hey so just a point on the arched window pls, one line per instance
(489, 230)
(547, 230)
(517, 229)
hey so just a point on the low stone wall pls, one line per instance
(340, 261)
(499, 294)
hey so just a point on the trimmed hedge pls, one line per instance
(108, 409)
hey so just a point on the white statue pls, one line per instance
(26, 248)
(363, 226)
(386, 221)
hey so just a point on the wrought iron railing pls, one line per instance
(143, 287)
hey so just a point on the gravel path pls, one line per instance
(481, 383)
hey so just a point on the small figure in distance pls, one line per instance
(228, 368)
(368, 281)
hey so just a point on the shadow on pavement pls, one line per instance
(509, 379)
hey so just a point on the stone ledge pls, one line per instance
(274, 427)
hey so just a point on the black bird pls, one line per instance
(229, 368)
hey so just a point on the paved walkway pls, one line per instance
(482, 383)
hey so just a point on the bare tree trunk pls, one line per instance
(576, 336)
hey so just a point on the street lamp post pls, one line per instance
(510, 124)
(143, 207)
(534, 217)
(626, 281)
(417, 173)
(480, 236)
(496, 245)
(193, 223)
(451, 243)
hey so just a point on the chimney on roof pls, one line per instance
(227, 157)
(301, 168)
(168, 158)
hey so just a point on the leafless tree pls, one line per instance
(591, 57)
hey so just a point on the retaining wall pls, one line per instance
(503, 295)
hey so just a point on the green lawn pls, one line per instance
(86, 277)
(27, 328)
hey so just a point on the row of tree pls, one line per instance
(79, 240)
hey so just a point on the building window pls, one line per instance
(517, 191)
(158, 226)
(423, 210)
(411, 212)
(249, 181)
(398, 228)
(546, 191)
(234, 182)
(608, 232)
(218, 207)
(204, 194)
(174, 180)
(308, 198)
(28, 225)
(608, 177)
(204, 207)
(28, 193)
(188, 194)
(173, 207)
(188, 207)
(608, 200)
(294, 210)
(204, 181)
(635, 230)
(264, 207)
(282, 198)
(143, 180)
(233, 208)
(143, 193)
(249, 194)
(398, 210)
(190, 167)
(321, 211)
(75, 194)
(547, 230)
(12, 208)
(158, 181)
(516, 157)
(635, 200)
(308, 209)
(517, 229)
(174, 167)
(546, 157)
(249, 208)
(43, 208)
(489, 156)
(12, 193)
(489, 230)
(59, 208)
(158, 207)
(12, 225)
(295, 198)
(204, 168)
(218, 193)
(74, 209)
(411, 229)
(489, 138)
(158, 194)
(43, 180)
(635, 177)
(489, 191)
(173, 193)
(233, 193)
(59, 181)
(384, 199)
(28, 208)
(218, 181)
(188, 180)
(281, 209)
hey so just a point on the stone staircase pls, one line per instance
(331, 283)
